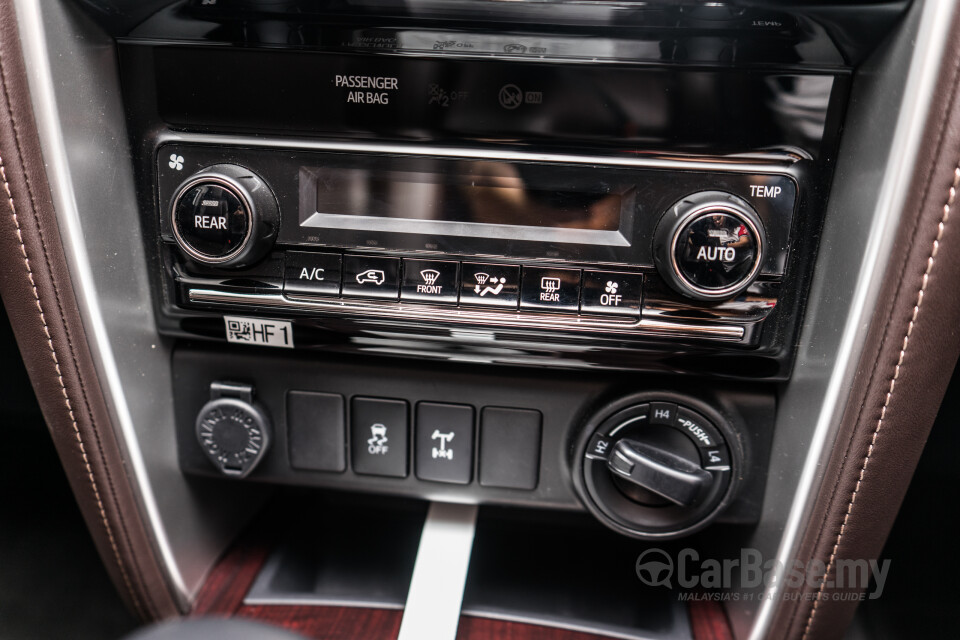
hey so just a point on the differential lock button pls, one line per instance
(709, 246)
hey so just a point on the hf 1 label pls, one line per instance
(257, 331)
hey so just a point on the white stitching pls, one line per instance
(63, 388)
(893, 382)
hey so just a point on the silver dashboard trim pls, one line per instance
(435, 597)
(769, 162)
(926, 47)
(460, 315)
(33, 37)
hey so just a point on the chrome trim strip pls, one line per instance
(440, 573)
(460, 315)
(748, 163)
(929, 43)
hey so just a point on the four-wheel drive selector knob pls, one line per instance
(709, 245)
(657, 466)
(224, 215)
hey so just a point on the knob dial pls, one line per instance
(233, 430)
(709, 245)
(655, 466)
(224, 215)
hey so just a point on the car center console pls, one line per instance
(551, 257)
(341, 224)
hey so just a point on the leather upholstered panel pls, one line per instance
(912, 346)
(39, 299)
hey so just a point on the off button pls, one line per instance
(611, 293)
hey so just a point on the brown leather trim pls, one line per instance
(912, 345)
(39, 299)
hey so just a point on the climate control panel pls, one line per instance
(588, 248)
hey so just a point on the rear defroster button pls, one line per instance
(550, 289)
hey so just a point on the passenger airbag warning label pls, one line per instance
(257, 331)
(381, 85)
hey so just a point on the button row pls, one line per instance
(476, 284)
(443, 442)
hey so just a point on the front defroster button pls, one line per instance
(429, 281)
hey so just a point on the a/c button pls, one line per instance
(609, 292)
(312, 273)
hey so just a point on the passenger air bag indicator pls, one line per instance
(259, 332)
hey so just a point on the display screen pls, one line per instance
(465, 198)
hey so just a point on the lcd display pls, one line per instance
(482, 199)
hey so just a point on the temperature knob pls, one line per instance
(224, 215)
(709, 246)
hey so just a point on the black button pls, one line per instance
(378, 437)
(494, 285)
(312, 273)
(662, 413)
(430, 281)
(716, 250)
(444, 442)
(509, 448)
(607, 292)
(212, 219)
(316, 431)
(550, 289)
(371, 277)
